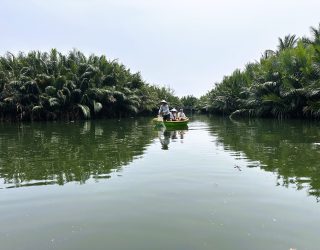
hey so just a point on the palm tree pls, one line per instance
(289, 42)
(315, 36)
(282, 84)
(51, 85)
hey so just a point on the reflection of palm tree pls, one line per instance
(59, 153)
(276, 146)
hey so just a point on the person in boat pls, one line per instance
(164, 110)
(181, 115)
(173, 114)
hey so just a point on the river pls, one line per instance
(109, 184)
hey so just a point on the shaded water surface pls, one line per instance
(220, 184)
(57, 153)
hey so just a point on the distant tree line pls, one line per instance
(51, 86)
(283, 84)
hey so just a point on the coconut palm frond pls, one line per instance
(119, 96)
(252, 102)
(312, 109)
(97, 106)
(85, 110)
(242, 113)
(37, 109)
(294, 93)
(132, 109)
(134, 100)
(288, 42)
(54, 103)
(51, 91)
(96, 93)
(271, 99)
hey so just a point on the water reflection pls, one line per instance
(288, 148)
(170, 135)
(57, 153)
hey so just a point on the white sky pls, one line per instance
(185, 44)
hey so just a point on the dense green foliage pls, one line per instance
(50, 86)
(283, 84)
(189, 101)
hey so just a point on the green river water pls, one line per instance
(108, 184)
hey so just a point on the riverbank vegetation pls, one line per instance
(52, 86)
(284, 83)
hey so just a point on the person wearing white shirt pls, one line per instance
(181, 115)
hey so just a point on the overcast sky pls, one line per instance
(185, 44)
